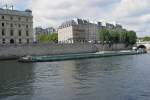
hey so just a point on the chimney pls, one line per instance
(12, 7)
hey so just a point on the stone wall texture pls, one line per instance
(16, 51)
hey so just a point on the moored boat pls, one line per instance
(73, 56)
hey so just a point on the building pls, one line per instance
(78, 30)
(110, 26)
(118, 26)
(16, 27)
(46, 31)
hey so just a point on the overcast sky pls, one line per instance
(132, 14)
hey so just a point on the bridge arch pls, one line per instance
(142, 47)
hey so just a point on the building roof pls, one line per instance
(27, 13)
(76, 22)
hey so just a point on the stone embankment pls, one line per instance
(16, 51)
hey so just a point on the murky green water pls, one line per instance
(112, 78)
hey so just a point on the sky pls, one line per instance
(132, 14)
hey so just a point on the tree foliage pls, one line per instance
(105, 36)
(131, 37)
(48, 38)
(146, 38)
(115, 36)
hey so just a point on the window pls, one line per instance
(3, 40)
(27, 33)
(27, 26)
(12, 41)
(19, 25)
(27, 19)
(19, 32)
(20, 41)
(11, 18)
(11, 25)
(19, 19)
(3, 32)
(3, 24)
(3, 17)
(28, 41)
(11, 32)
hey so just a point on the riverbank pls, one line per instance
(9, 52)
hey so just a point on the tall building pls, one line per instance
(16, 27)
(78, 30)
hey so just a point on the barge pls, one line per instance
(50, 58)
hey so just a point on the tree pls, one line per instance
(123, 36)
(112, 36)
(115, 36)
(104, 36)
(53, 37)
(132, 37)
(48, 38)
(146, 38)
(42, 38)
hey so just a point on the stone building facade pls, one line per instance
(78, 30)
(16, 27)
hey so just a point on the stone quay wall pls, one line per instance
(114, 47)
(16, 51)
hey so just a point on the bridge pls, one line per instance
(145, 45)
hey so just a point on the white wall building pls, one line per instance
(78, 31)
(16, 27)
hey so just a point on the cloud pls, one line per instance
(132, 14)
(127, 8)
(53, 13)
(3, 2)
(18, 4)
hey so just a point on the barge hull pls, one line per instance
(73, 57)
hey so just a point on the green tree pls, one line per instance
(115, 36)
(105, 36)
(48, 38)
(146, 38)
(42, 38)
(132, 37)
(53, 37)
(123, 36)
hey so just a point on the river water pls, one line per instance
(111, 78)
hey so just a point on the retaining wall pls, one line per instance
(114, 47)
(16, 51)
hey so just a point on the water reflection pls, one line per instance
(83, 76)
(16, 79)
(113, 78)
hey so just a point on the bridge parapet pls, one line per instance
(146, 44)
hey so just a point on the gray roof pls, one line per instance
(27, 13)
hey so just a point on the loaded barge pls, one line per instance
(50, 58)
